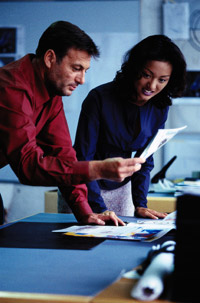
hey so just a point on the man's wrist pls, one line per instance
(95, 170)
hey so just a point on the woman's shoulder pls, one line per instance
(106, 93)
(101, 96)
(106, 88)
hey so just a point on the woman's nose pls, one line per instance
(152, 84)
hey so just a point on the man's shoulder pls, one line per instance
(19, 69)
(25, 60)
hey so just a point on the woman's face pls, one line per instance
(155, 76)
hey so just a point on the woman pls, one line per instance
(121, 117)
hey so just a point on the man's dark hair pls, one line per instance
(60, 36)
(153, 48)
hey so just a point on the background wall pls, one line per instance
(185, 111)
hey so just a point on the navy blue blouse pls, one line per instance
(109, 127)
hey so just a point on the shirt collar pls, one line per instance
(41, 90)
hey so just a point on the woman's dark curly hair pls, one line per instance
(156, 48)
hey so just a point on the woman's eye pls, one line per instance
(162, 80)
(145, 75)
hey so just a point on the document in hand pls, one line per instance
(161, 138)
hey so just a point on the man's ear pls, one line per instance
(49, 58)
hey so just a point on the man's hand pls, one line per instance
(115, 169)
(102, 219)
(149, 213)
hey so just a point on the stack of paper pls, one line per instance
(142, 230)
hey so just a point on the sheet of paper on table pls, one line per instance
(142, 230)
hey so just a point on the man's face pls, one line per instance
(62, 78)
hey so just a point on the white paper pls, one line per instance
(170, 219)
(161, 138)
(147, 230)
(151, 284)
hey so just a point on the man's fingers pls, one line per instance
(134, 161)
(111, 216)
(116, 220)
(126, 167)
(115, 169)
(99, 222)
(94, 219)
(103, 218)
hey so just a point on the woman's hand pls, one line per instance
(149, 213)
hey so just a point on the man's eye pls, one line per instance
(76, 69)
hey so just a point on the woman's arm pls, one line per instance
(86, 141)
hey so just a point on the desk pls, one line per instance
(162, 202)
(37, 265)
(157, 201)
(119, 292)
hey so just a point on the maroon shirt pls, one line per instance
(34, 135)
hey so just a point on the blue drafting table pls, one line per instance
(37, 265)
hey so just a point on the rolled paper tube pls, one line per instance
(151, 284)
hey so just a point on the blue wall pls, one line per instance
(91, 16)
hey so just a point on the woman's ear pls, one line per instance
(49, 58)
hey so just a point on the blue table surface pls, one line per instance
(68, 271)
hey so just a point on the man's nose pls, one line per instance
(81, 77)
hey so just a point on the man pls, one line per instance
(34, 136)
